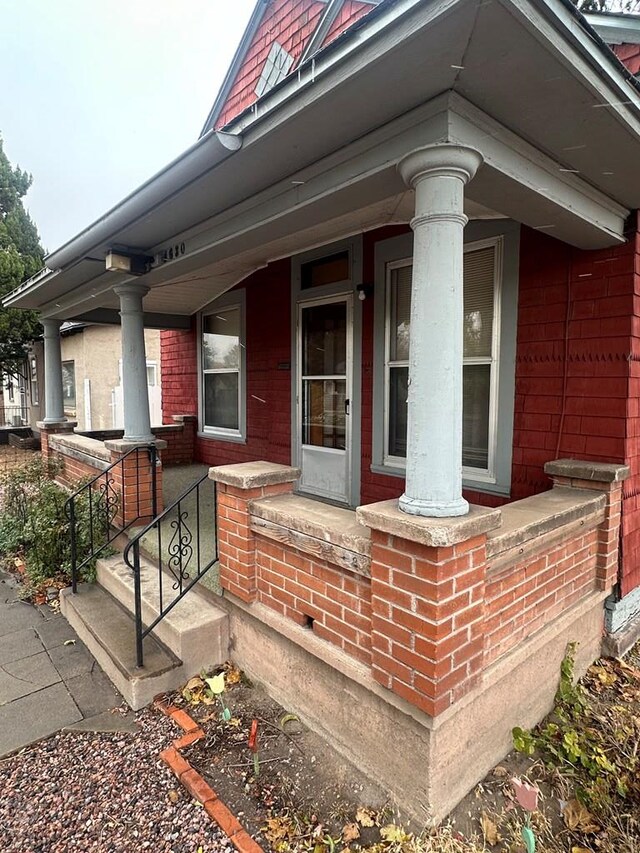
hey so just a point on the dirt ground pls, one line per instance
(582, 765)
(303, 791)
(12, 457)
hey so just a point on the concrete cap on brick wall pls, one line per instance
(252, 475)
(578, 469)
(121, 445)
(57, 426)
(435, 532)
(181, 419)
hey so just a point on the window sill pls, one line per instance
(500, 489)
(223, 436)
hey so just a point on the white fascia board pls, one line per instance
(615, 29)
(370, 162)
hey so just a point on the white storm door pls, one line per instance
(324, 397)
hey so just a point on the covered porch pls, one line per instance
(343, 287)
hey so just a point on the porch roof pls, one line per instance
(529, 83)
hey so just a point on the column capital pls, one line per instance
(51, 327)
(442, 160)
(131, 288)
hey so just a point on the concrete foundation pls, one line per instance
(427, 764)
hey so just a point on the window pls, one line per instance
(276, 67)
(328, 270)
(482, 265)
(152, 374)
(222, 367)
(35, 396)
(68, 384)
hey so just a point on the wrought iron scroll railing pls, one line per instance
(109, 504)
(182, 541)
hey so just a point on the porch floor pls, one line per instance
(177, 480)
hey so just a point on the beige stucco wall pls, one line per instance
(96, 351)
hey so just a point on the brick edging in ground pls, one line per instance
(196, 785)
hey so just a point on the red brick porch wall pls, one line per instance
(337, 602)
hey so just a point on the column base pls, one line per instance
(433, 509)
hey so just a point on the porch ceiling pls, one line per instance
(533, 91)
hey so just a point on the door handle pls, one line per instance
(346, 406)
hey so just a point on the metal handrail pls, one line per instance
(181, 553)
(104, 502)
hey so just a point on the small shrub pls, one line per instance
(33, 522)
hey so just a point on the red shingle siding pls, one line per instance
(629, 54)
(179, 371)
(631, 488)
(350, 12)
(290, 23)
(592, 422)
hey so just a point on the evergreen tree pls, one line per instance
(21, 256)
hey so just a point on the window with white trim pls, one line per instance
(222, 365)
(482, 282)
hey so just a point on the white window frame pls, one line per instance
(481, 475)
(229, 302)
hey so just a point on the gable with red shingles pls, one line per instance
(629, 55)
(289, 22)
(351, 11)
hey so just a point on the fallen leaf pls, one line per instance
(500, 772)
(174, 796)
(580, 850)
(577, 817)
(489, 830)
(394, 834)
(69, 642)
(350, 832)
(232, 675)
(195, 683)
(365, 816)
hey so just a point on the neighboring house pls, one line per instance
(398, 272)
(92, 377)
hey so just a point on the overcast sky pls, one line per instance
(97, 95)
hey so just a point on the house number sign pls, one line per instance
(171, 253)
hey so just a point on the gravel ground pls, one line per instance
(101, 793)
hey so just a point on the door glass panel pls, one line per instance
(324, 340)
(323, 413)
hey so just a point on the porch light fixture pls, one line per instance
(364, 291)
(127, 262)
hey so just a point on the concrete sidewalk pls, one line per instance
(48, 679)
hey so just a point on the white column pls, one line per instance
(137, 420)
(434, 440)
(53, 396)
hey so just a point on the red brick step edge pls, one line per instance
(195, 784)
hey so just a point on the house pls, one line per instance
(92, 377)
(91, 381)
(398, 284)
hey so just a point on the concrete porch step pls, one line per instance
(195, 630)
(108, 631)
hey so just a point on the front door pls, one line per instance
(324, 397)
